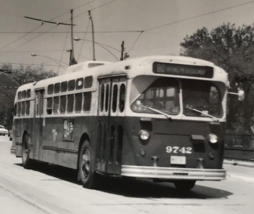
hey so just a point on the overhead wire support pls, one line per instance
(50, 22)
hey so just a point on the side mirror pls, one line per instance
(240, 94)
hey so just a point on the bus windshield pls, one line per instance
(200, 98)
(162, 94)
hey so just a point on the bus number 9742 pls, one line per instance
(177, 149)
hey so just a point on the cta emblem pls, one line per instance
(177, 150)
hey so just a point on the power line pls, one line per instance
(83, 40)
(61, 32)
(135, 41)
(194, 17)
(102, 5)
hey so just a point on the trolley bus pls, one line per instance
(155, 117)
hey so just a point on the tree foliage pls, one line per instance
(10, 79)
(231, 48)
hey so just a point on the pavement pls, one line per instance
(239, 162)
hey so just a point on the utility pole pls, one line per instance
(72, 59)
(126, 55)
(90, 17)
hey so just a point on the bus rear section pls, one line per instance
(177, 130)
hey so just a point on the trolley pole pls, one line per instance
(122, 50)
(90, 17)
(72, 59)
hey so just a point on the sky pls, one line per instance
(147, 27)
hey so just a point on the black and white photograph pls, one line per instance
(126, 106)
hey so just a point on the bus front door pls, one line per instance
(110, 124)
(38, 124)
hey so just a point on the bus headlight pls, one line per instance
(213, 138)
(144, 135)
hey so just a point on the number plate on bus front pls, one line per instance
(178, 160)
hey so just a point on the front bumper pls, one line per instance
(173, 173)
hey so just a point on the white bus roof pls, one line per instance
(130, 67)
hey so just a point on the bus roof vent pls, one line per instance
(83, 66)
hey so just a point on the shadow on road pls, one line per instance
(134, 188)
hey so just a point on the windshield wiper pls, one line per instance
(157, 111)
(201, 112)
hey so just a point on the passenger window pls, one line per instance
(56, 105)
(50, 89)
(19, 95)
(63, 86)
(15, 109)
(107, 97)
(78, 100)
(87, 101)
(49, 106)
(70, 103)
(114, 101)
(71, 85)
(23, 94)
(62, 104)
(28, 93)
(57, 88)
(27, 107)
(102, 97)
(88, 82)
(122, 97)
(19, 108)
(23, 108)
(79, 83)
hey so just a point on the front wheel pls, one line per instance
(87, 174)
(184, 185)
(26, 161)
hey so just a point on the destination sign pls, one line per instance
(183, 70)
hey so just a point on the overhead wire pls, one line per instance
(63, 50)
(102, 5)
(83, 40)
(194, 17)
(136, 41)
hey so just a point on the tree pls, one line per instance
(231, 48)
(10, 79)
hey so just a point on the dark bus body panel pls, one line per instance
(165, 133)
(114, 149)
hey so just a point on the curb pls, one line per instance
(239, 163)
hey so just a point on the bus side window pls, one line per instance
(102, 97)
(78, 102)
(56, 105)
(87, 101)
(107, 98)
(27, 107)
(70, 103)
(15, 109)
(19, 108)
(63, 86)
(28, 93)
(62, 104)
(56, 88)
(88, 82)
(79, 83)
(71, 85)
(50, 89)
(23, 108)
(114, 101)
(49, 106)
(122, 97)
(19, 95)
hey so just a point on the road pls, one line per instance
(54, 190)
